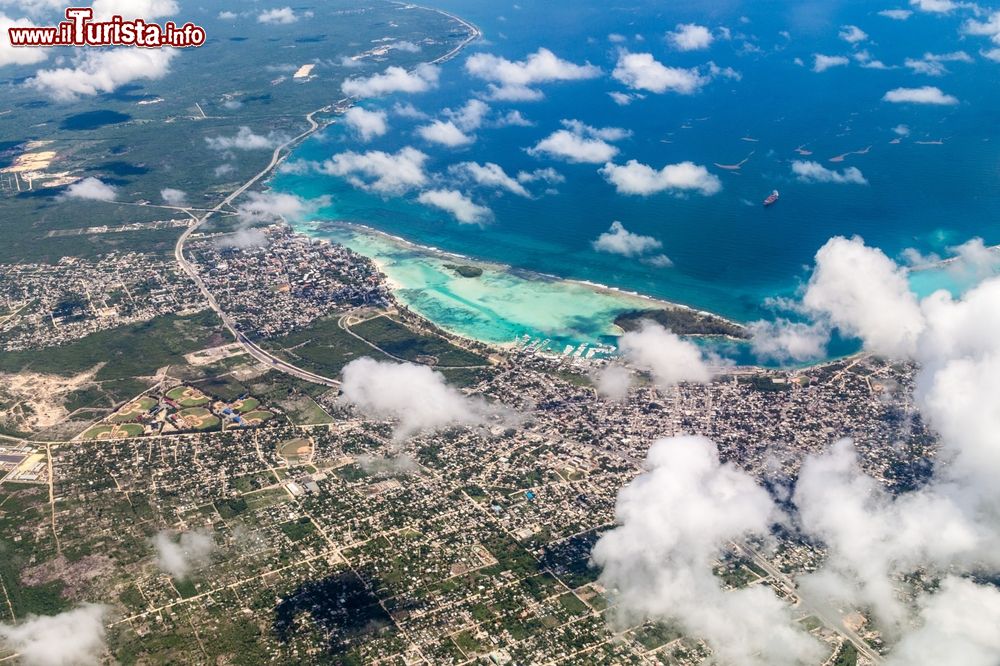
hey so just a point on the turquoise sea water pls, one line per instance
(934, 188)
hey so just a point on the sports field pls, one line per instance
(133, 410)
(199, 418)
(186, 396)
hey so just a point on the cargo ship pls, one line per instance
(771, 199)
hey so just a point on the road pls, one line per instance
(817, 609)
(262, 355)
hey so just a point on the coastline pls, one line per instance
(603, 302)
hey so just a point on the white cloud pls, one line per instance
(821, 62)
(469, 117)
(414, 395)
(271, 206)
(392, 80)
(92, 189)
(227, 16)
(640, 71)
(866, 295)
(367, 124)
(814, 172)
(445, 133)
(613, 382)
(173, 197)
(513, 80)
(619, 240)
(852, 34)
(690, 37)
(96, 72)
(386, 173)
(179, 554)
(407, 110)
(547, 175)
(640, 179)
(133, 9)
(459, 205)
(988, 28)
(932, 64)
(674, 521)
(489, 175)
(666, 356)
(245, 139)
(282, 16)
(621, 99)
(935, 6)
(17, 56)
(901, 130)
(870, 535)
(896, 14)
(923, 95)
(580, 143)
(514, 118)
(958, 625)
(72, 638)
(783, 340)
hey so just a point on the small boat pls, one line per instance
(771, 199)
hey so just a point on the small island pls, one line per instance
(682, 321)
(465, 270)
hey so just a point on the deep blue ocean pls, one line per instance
(729, 253)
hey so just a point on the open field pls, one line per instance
(133, 410)
(186, 396)
(199, 418)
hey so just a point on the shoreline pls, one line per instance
(527, 273)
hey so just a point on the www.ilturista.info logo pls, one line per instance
(80, 30)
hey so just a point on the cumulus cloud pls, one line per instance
(464, 209)
(133, 9)
(72, 638)
(821, 62)
(513, 80)
(641, 71)
(896, 14)
(922, 95)
(613, 382)
(100, 71)
(92, 189)
(866, 295)
(273, 206)
(445, 133)
(282, 16)
(418, 398)
(852, 34)
(546, 175)
(489, 175)
(245, 139)
(17, 56)
(783, 340)
(674, 521)
(690, 37)
(933, 64)
(392, 80)
(179, 554)
(367, 124)
(386, 173)
(621, 241)
(668, 358)
(580, 143)
(958, 625)
(173, 197)
(814, 172)
(935, 6)
(470, 116)
(643, 180)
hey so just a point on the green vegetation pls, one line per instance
(465, 270)
(126, 352)
(848, 655)
(395, 338)
(681, 321)
(296, 530)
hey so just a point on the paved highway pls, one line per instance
(262, 355)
